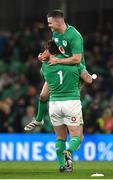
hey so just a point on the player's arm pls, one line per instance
(44, 95)
(76, 48)
(84, 74)
(87, 78)
(75, 59)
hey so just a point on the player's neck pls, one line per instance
(62, 28)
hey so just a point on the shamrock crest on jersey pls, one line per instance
(64, 42)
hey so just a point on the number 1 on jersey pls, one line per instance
(60, 76)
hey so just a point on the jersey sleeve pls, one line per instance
(81, 68)
(42, 74)
(77, 44)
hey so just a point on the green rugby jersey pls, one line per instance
(63, 81)
(70, 42)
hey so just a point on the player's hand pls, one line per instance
(53, 60)
(44, 56)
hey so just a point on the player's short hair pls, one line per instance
(52, 47)
(56, 13)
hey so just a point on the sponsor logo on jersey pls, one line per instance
(61, 49)
(73, 119)
(56, 40)
(64, 42)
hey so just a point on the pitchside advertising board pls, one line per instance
(41, 147)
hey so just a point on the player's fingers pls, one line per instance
(49, 63)
(41, 58)
(44, 58)
(39, 54)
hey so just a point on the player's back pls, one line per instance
(63, 81)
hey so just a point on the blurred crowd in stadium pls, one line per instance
(20, 80)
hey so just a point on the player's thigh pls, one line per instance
(61, 132)
(72, 108)
(76, 131)
(55, 113)
(44, 95)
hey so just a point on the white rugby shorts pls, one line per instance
(66, 112)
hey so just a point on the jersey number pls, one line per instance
(60, 76)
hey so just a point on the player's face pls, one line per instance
(53, 24)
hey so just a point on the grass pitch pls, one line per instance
(49, 170)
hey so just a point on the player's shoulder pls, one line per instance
(54, 33)
(74, 31)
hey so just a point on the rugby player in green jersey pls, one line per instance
(70, 44)
(64, 105)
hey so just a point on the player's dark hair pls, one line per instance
(52, 47)
(56, 13)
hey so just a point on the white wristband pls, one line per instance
(94, 76)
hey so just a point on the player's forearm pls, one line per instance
(70, 60)
(87, 77)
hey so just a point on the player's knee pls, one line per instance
(43, 97)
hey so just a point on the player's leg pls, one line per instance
(60, 131)
(42, 105)
(74, 144)
(60, 145)
(74, 122)
(76, 137)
